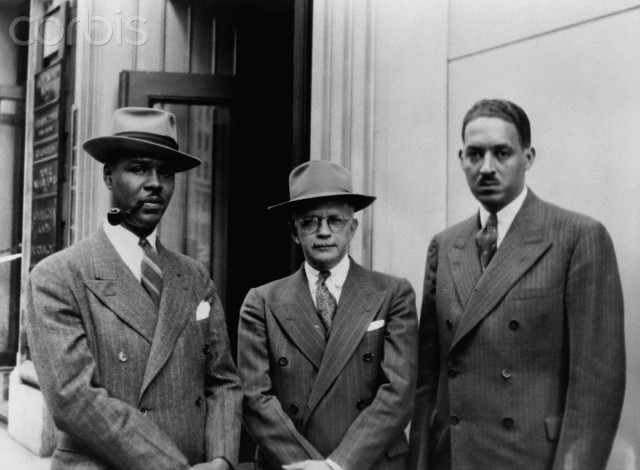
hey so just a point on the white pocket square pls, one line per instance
(202, 312)
(376, 325)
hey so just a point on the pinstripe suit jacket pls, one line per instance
(130, 386)
(349, 398)
(522, 366)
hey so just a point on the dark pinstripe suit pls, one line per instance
(522, 366)
(129, 386)
(348, 399)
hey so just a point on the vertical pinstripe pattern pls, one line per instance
(348, 399)
(129, 384)
(526, 369)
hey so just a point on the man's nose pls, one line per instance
(487, 164)
(153, 180)
(323, 228)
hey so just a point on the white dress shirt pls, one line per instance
(505, 215)
(126, 244)
(334, 282)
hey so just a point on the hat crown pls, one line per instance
(144, 121)
(317, 178)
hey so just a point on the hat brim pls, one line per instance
(358, 201)
(106, 149)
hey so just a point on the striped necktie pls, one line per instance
(151, 271)
(487, 240)
(325, 302)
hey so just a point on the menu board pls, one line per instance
(47, 162)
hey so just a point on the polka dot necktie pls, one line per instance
(151, 271)
(325, 302)
(487, 240)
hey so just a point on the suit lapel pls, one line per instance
(296, 315)
(359, 303)
(173, 313)
(117, 287)
(465, 261)
(521, 248)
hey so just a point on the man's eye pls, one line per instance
(473, 154)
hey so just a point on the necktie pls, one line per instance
(487, 240)
(325, 302)
(151, 272)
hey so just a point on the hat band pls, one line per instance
(154, 138)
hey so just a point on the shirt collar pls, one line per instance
(506, 214)
(338, 272)
(121, 237)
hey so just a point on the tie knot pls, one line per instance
(323, 276)
(492, 221)
(144, 243)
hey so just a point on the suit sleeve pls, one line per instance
(108, 428)
(263, 416)
(428, 366)
(390, 411)
(222, 389)
(596, 379)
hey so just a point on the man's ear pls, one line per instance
(294, 232)
(107, 172)
(460, 155)
(353, 228)
(530, 155)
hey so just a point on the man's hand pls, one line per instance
(215, 464)
(308, 465)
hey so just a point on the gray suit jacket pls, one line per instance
(522, 366)
(349, 398)
(130, 386)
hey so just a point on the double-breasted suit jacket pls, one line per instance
(348, 399)
(129, 385)
(522, 366)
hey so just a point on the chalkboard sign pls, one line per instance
(48, 156)
(48, 85)
(44, 240)
(46, 123)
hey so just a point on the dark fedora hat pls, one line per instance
(142, 132)
(321, 179)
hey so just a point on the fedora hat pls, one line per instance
(143, 132)
(320, 179)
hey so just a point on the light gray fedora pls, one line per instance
(143, 132)
(321, 179)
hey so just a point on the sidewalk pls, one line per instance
(15, 457)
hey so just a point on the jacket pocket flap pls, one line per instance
(398, 447)
(552, 426)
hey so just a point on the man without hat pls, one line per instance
(522, 361)
(328, 354)
(129, 338)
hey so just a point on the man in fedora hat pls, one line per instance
(328, 355)
(129, 338)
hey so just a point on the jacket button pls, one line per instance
(283, 361)
(454, 420)
(293, 407)
(506, 374)
(449, 324)
(206, 349)
(514, 325)
(122, 357)
(199, 401)
(452, 373)
(507, 422)
(368, 357)
(361, 405)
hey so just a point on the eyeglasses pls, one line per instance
(311, 224)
